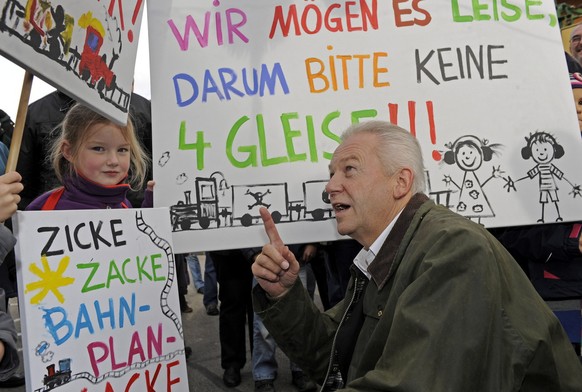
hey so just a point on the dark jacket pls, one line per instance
(447, 309)
(42, 126)
(82, 194)
(550, 256)
(10, 362)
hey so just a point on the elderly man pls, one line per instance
(576, 44)
(435, 302)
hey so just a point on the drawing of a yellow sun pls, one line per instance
(50, 281)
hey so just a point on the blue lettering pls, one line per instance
(270, 81)
(126, 309)
(228, 84)
(103, 315)
(54, 328)
(191, 83)
(83, 321)
(231, 84)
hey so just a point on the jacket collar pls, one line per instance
(380, 269)
(83, 189)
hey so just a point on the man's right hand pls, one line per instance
(275, 268)
(10, 187)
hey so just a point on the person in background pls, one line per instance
(92, 158)
(436, 303)
(264, 346)
(196, 272)
(233, 273)
(551, 256)
(42, 128)
(576, 83)
(576, 44)
(210, 297)
(98, 162)
(8, 266)
(6, 130)
(10, 187)
(338, 259)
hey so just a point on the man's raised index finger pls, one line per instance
(270, 227)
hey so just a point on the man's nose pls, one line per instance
(332, 186)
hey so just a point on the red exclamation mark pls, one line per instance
(412, 117)
(393, 110)
(136, 10)
(436, 155)
(110, 10)
(134, 18)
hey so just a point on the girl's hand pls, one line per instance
(150, 186)
(10, 187)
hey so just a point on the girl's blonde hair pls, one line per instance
(75, 128)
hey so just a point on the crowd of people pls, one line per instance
(419, 299)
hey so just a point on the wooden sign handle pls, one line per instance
(19, 123)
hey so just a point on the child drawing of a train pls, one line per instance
(238, 205)
(55, 378)
(52, 31)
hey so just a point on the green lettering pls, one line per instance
(510, 17)
(532, 3)
(289, 134)
(359, 114)
(311, 139)
(113, 274)
(125, 263)
(251, 150)
(477, 8)
(199, 145)
(155, 267)
(457, 17)
(325, 130)
(266, 161)
(86, 287)
(140, 269)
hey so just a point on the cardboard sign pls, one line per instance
(253, 97)
(86, 49)
(98, 301)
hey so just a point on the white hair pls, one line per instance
(397, 149)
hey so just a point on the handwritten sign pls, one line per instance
(254, 96)
(84, 48)
(98, 301)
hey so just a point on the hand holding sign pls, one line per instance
(275, 268)
(10, 187)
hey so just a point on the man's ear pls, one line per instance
(66, 150)
(404, 179)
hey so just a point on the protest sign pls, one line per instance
(98, 301)
(86, 49)
(253, 97)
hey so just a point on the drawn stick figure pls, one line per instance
(468, 153)
(543, 148)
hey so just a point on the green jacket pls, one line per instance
(447, 309)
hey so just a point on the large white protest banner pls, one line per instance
(249, 100)
(84, 48)
(98, 301)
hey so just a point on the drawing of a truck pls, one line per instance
(241, 203)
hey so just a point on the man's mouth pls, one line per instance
(338, 207)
